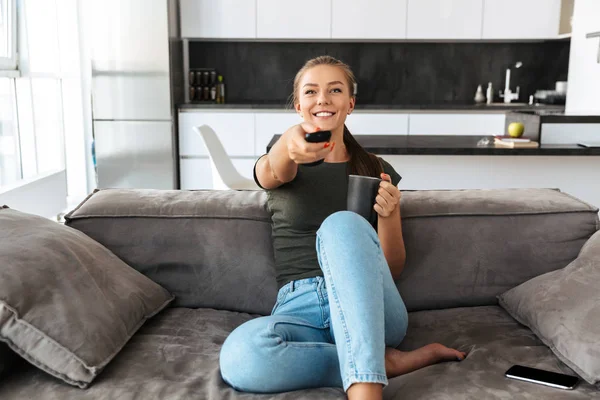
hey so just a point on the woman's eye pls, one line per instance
(309, 91)
(336, 90)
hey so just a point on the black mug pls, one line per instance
(362, 191)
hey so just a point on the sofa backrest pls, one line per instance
(214, 249)
(208, 248)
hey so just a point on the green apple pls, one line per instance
(515, 129)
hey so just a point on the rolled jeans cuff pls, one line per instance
(364, 378)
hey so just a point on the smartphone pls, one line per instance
(534, 375)
(317, 137)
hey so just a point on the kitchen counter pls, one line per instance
(456, 145)
(545, 117)
(445, 107)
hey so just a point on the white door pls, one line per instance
(375, 19)
(521, 19)
(292, 19)
(444, 19)
(218, 18)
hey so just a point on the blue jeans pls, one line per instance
(328, 331)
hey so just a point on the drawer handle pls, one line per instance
(594, 35)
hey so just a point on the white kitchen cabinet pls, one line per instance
(521, 19)
(195, 173)
(374, 19)
(218, 18)
(199, 172)
(360, 123)
(444, 19)
(234, 129)
(268, 124)
(569, 133)
(292, 19)
(457, 124)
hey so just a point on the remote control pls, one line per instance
(317, 137)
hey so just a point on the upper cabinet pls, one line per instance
(521, 19)
(445, 19)
(293, 19)
(374, 19)
(234, 19)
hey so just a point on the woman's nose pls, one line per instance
(323, 98)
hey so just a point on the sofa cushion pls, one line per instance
(465, 247)
(176, 356)
(67, 304)
(173, 356)
(209, 248)
(563, 309)
(494, 342)
(214, 248)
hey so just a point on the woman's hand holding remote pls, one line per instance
(302, 152)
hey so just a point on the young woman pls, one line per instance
(338, 317)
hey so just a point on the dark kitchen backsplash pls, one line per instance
(387, 73)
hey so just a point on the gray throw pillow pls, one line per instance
(67, 304)
(563, 309)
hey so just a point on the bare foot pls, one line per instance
(399, 362)
(447, 354)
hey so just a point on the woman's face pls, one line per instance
(324, 97)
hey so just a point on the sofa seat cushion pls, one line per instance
(494, 342)
(175, 356)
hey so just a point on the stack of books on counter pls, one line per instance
(507, 141)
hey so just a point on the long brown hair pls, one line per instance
(361, 161)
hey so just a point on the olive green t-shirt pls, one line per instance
(298, 208)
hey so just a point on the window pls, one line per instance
(8, 35)
(10, 163)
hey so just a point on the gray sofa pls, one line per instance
(212, 250)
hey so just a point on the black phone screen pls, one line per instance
(541, 376)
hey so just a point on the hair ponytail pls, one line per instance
(361, 161)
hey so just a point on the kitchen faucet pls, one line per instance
(508, 95)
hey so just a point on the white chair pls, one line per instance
(225, 170)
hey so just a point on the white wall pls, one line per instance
(583, 95)
(43, 195)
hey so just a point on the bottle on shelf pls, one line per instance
(220, 90)
(489, 94)
(479, 98)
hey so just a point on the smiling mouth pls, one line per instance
(322, 114)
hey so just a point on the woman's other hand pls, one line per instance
(300, 151)
(388, 197)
